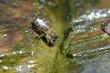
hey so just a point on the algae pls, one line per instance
(21, 53)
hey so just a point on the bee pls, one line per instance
(44, 31)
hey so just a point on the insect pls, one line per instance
(106, 27)
(44, 31)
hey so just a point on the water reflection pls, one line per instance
(15, 40)
(87, 40)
